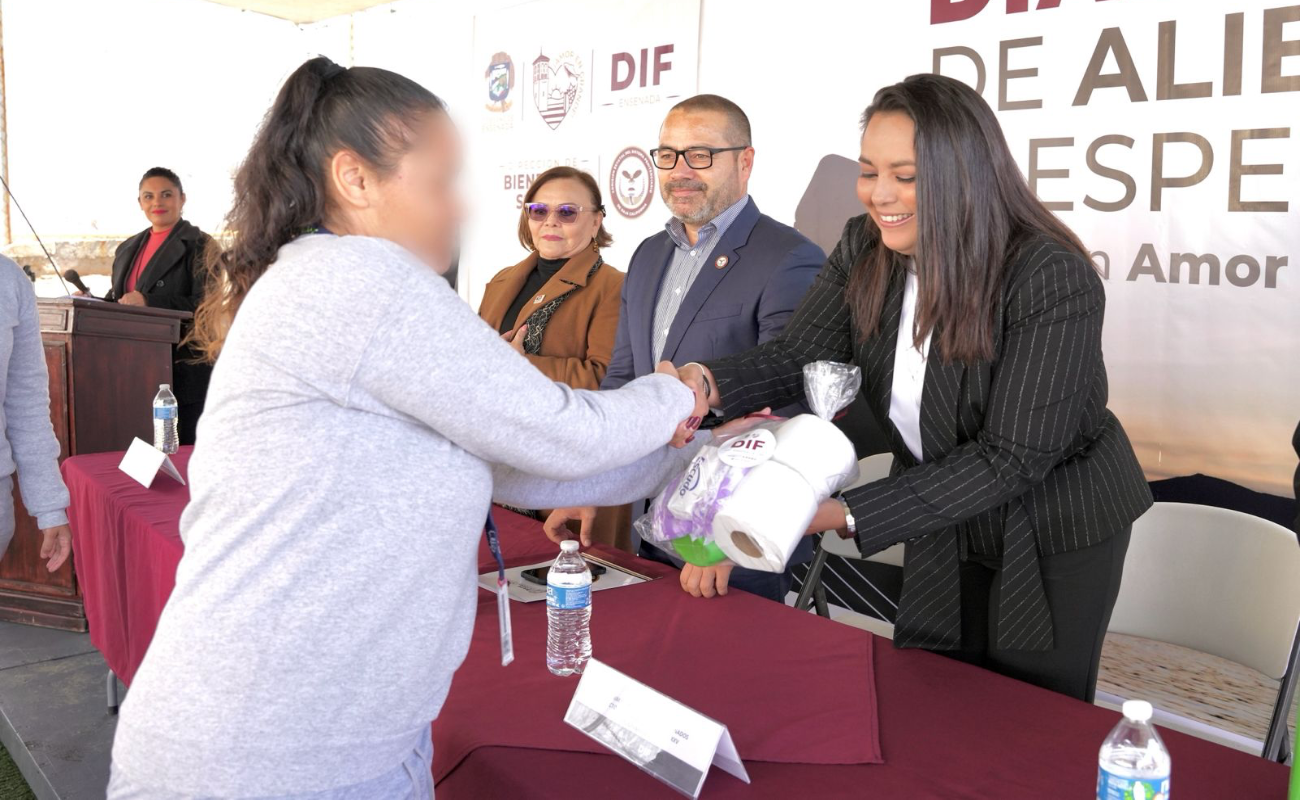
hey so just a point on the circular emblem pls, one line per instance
(632, 182)
(749, 450)
(721, 262)
(500, 76)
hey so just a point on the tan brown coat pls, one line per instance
(579, 339)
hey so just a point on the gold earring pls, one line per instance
(595, 248)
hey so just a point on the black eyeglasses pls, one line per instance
(696, 157)
(565, 212)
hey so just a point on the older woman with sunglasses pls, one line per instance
(559, 306)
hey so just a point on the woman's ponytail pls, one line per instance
(280, 189)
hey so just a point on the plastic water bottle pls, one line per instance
(1134, 762)
(568, 612)
(166, 416)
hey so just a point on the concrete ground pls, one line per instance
(53, 717)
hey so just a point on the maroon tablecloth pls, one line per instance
(126, 544)
(947, 730)
(777, 687)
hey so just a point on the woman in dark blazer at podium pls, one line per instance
(976, 318)
(163, 267)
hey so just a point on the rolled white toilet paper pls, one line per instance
(763, 521)
(818, 451)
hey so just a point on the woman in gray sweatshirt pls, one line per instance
(28, 446)
(359, 422)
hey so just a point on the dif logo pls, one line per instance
(638, 77)
(644, 68)
(749, 450)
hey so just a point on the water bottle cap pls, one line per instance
(568, 546)
(1137, 710)
(165, 386)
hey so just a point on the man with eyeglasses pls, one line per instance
(720, 279)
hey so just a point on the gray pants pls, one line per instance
(6, 512)
(410, 780)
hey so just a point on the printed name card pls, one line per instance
(143, 462)
(656, 733)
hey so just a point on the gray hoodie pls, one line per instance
(352, 442)
(28, 444)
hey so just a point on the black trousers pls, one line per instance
(1081, 589)
(188, 426)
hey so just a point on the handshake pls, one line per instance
(699, 581)
(699, 380)
(810, 462)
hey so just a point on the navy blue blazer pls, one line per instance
(727, 310)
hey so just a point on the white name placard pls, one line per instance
(656, 733)
(143, 462)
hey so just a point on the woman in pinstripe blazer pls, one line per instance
(1014, 486)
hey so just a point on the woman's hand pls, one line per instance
(686, 431)
(706, 581)
(829, 517)
(557, 531)
(132, 299)
(700, 379)
(516, 339)
(56, 546)
(742, 424)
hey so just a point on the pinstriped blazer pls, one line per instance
(1021, 456)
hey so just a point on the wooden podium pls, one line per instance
(105, 363)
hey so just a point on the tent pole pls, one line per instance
(4, 132)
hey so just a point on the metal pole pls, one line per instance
(4, 132)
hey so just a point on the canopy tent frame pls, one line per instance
(302, 12)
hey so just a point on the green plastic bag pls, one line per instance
(697, 551)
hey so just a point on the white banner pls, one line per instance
(581, 84)
(1163, 134)
(1163, 131)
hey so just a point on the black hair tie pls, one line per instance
(332, 71)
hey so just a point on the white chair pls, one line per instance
(871, 468)
(1221, 582)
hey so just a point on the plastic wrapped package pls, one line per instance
(750, 495)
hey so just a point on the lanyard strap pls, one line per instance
(503, 600)
(494, 544)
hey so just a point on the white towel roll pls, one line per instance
(818, 451)
(760, 525)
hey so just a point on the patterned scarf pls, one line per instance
(539, 319)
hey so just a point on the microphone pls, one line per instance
(74, 278)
